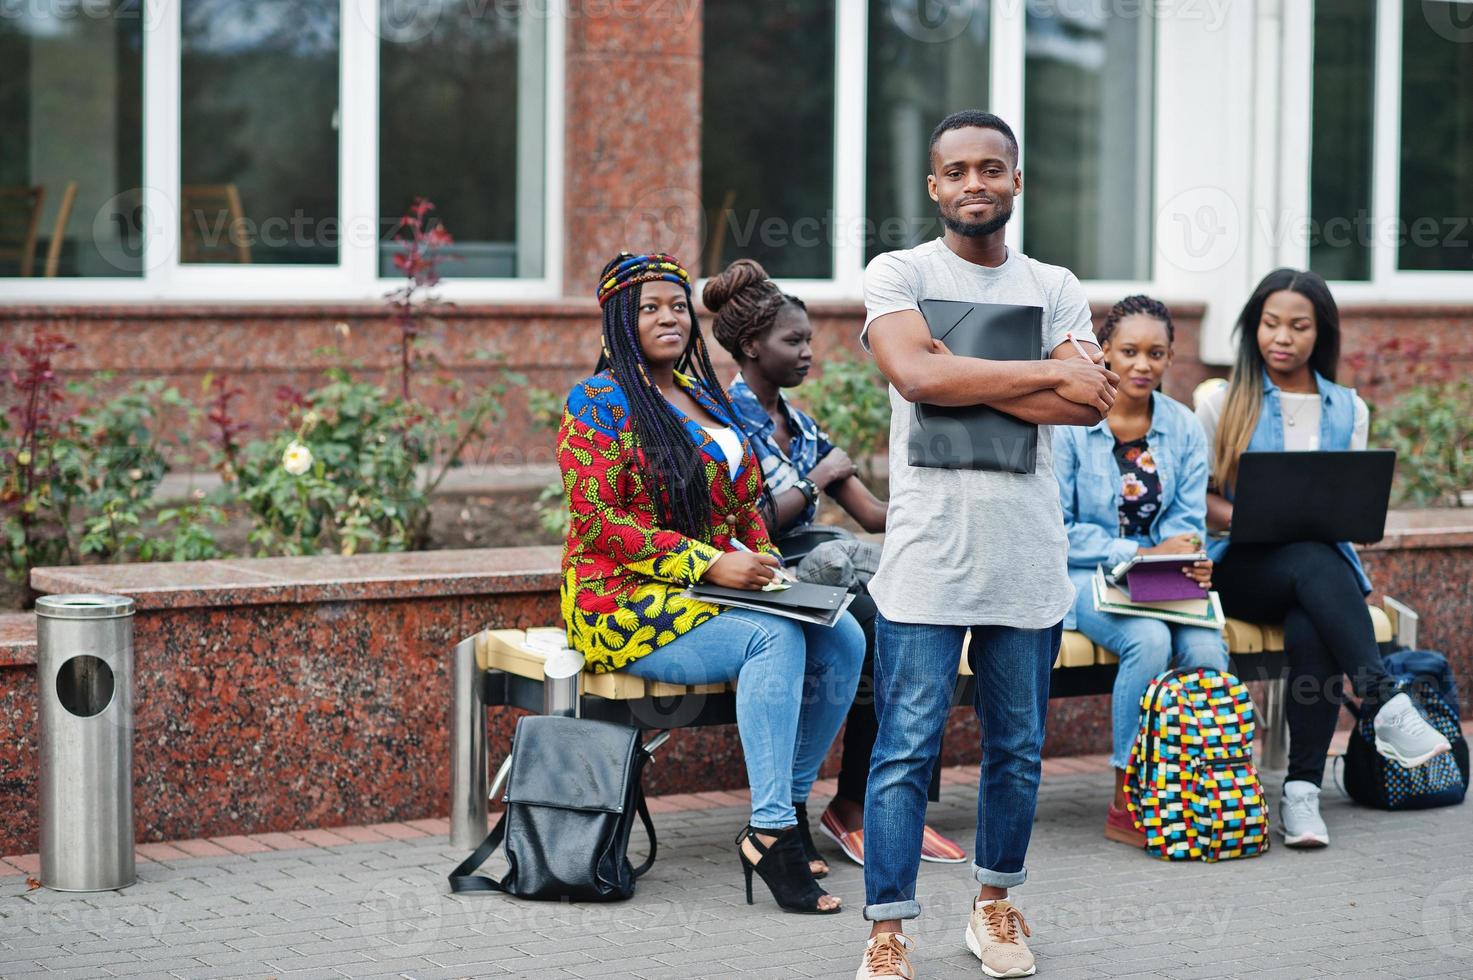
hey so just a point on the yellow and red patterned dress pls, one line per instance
(623, 574)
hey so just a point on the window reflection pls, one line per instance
(259, 131)
(71, 139)
(1087, 139)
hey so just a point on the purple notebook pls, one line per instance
(1159, 578)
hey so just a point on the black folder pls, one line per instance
(976, 437)
(803, 601)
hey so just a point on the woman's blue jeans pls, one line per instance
(1146, 647)
(795, 682)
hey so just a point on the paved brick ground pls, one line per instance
(1392, 898)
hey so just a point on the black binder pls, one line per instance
(804, 601)
(976, 437)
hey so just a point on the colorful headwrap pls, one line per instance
(635, 269)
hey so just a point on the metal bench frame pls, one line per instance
(474, 692)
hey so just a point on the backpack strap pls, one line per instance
(464, 877)
(649, 828)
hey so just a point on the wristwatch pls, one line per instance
(809, 489)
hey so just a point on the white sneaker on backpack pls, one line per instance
(1299, 816)
(1404, 736)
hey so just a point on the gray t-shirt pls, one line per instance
(972, 547)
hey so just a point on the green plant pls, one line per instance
(1431, 428)
(546, 411)
(852, 403)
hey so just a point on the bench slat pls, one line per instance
(508, 650)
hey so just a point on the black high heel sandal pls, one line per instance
(805, 837)
(784, 869)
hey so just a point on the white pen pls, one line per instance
(1079, 347)
(782, 572)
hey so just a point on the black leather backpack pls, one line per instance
(571, 798)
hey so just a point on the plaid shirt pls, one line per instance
(780, 470)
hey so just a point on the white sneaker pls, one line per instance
(1299, 816)
(993, 937)
(1403, 735)
(887, 957)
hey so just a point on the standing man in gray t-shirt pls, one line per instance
(968, 548)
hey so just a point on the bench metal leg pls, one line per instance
(467, 748)
(1273, 732)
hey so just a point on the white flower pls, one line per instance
(297, 459)
(310, 420)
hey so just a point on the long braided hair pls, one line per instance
(746, 302)
(667, 461)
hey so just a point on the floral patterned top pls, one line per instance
(623, 574)
(1140, 488)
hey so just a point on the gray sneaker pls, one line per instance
(1403, 735)
(1299, 816)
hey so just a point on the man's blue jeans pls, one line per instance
(795, 682)
(915, 675)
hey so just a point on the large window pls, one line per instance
(71, 139)
(258, 126)
(1087, 138)
(460, 109)
(1436, 197)
(922, 65)
(241, 150)
(767, 135)
(1340, 159)
(1391, 172)
(786, 109)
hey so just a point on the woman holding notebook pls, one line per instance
(1136, 484)
(663, 493)
(1282, 397)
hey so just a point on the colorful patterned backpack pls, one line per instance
(1191, 784)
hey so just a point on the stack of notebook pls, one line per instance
(1205, 611)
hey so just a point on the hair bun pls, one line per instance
(737, 276)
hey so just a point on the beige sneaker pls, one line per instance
(993, 938)
(887, 957)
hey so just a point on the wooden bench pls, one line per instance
(504, 668)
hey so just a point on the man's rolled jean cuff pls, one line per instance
(999, 879)
(892, 910)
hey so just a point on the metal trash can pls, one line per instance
(85, 674)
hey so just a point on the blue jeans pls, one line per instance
(915, 675)
(1145, 647)
(795, 682)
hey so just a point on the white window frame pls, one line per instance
(1006, 64)
(1389, 284)
(355, 278)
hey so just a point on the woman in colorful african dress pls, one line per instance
(1135, 484)
(663, 492)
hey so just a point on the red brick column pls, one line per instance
(632, 158)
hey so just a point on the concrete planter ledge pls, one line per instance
(282, 693)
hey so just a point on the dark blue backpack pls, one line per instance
(1373, 780)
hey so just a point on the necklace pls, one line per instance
(1293, 417)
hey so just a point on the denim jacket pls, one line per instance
(1089, 487)
(1337, 427)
